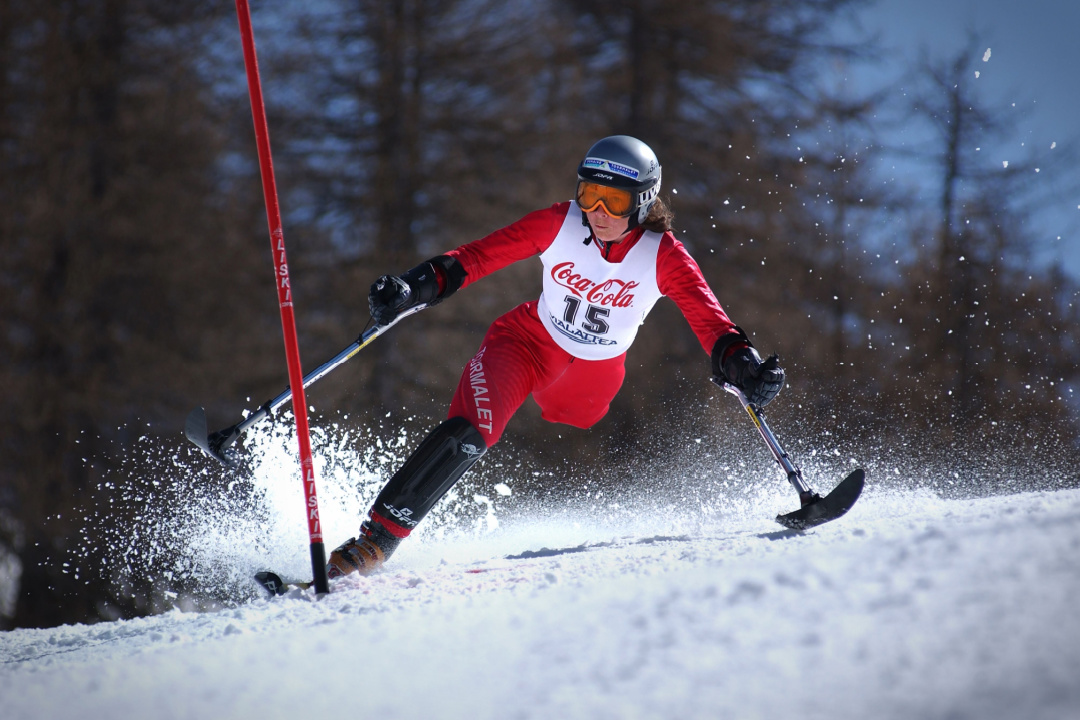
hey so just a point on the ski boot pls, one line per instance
(365, 554)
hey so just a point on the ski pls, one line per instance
(273, 584)
(823, 509)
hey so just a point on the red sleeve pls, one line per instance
(679, 278)
(531, 235)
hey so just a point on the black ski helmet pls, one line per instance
(624, 162)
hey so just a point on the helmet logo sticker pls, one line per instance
(601, 164)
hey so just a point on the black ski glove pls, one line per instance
(390, 295)
(759, 381)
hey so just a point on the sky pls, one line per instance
(1034, 62)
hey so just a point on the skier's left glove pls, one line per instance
(427, 283)
(735, 361)
(759, 381)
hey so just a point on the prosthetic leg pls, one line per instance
(433, 468)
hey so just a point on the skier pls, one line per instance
(567, 348)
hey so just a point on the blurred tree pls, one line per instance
(828, 281)
(987, 325)
(115, 225)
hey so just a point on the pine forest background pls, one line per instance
(136, 283)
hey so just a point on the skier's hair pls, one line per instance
(660, 218)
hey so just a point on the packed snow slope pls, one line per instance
(912, 606)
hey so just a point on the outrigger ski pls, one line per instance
(815, 509)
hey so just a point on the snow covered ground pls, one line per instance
(912, 606)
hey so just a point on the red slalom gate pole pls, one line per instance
(285, 300)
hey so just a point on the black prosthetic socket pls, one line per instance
(433, 468)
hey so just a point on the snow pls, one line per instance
(912, 606)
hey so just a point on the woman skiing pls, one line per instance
(608, 256)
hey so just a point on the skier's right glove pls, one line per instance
(428, 283)
(389, 295)
(759, 381)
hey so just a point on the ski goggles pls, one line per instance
(616, 202)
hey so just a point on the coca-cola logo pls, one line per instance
(610, 293)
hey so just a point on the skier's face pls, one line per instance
(607, 228)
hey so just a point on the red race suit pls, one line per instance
(567, 348)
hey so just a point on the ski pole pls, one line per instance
(218, 445)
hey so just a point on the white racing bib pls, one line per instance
(591, 307)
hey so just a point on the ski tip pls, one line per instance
(195, 428)
(196, 432)
(852, 485)
(271, 583)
